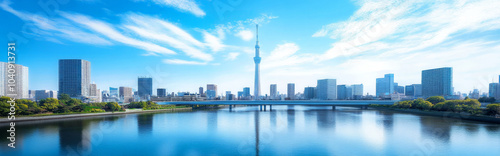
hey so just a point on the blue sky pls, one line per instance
(185, 44)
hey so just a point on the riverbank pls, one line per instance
(446, 114)
(52, 117)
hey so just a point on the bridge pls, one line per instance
(333, 103)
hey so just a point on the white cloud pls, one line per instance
(232, 56)
(184, 5)
(110, 32)
(182, 62)
(166, 32)
(49, 28)
(213, 42)
(285, 55)
(245, 35)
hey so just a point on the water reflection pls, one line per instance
(290, 115)
(325, 119)
(145, 123)
(74, 137)
(435, 128)
(212, 121)
(387, 120)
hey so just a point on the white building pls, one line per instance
(20, 79)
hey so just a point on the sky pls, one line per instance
(186, 44)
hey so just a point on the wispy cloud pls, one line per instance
(232, 56)
(183, 5)
(405, 37)
(183, 62)
(43, 27)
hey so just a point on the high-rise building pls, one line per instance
(126, 94)
(43, 94)
(273, 91)
(437, 82)
(21, 78)
(240, 95)
(326, 89)
(229, 95)
(341, 92)
(145, 86)
(200, 91)
(414, 90)
(257, 63)
(246, 93)
(161, 92)
(291, 91)
(113, 92)
(493, 89)
(398, 88)
(74, 77)
(349, 93)
(357, 91)
(385, 86)
(93, 90)
(309, 93)
(211, 91)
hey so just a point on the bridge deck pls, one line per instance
(291, 102)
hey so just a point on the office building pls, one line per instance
(74, 78)
(161, 92)
(309, 93)
(229, 95)
(341, 92)
(113, 92)
(437, 82)
(43, 94)
(126, 94)
(273, 91)
(349, 93)
(291, 91)
(246, 93)
(399, 89)
(414, 90)
(21, 78)
(240, 95)
(357, 91)
(326, 89)
(145, 86)
(200, 91)
(211, 91)
(385, 86)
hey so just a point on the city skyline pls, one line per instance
(323, 48)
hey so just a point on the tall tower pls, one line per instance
(256, 59)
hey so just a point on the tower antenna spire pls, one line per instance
(257, 26)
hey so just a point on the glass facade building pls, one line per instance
(145, 86)
(326, 89)
(385, 86)
(309, 93)
(74, 77)
(437, 82)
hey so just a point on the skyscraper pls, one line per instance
(291, 91)
(309, 93)
(257, 62)
(161, 92)
(211, 91)
(74, 77)
(21, 81)
(200, 91)
(246, 93)
(326, 89)
(437, 82)
(414, 90)
(385, 86)
(341, 92)
(273, 91)
(126, 94)
(357, 91)
(145, 86)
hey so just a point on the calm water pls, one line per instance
(286, 130)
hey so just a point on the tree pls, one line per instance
(113, 106)
(63, 97)
(493, 109)
(50, 104)
(73, 102)
(421, 104)
(435, 99)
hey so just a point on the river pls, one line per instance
(286, 130)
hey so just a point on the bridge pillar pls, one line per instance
(333, 107)
(264, 107)
(260, 107)
(230, 107)
(270, 107)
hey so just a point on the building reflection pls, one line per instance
(290, 118)
(212, 121)
(435, 128)
(256, 122)
(75, 137)
(387, 120)
(272, 118)
(325, 119)
(145, 123)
